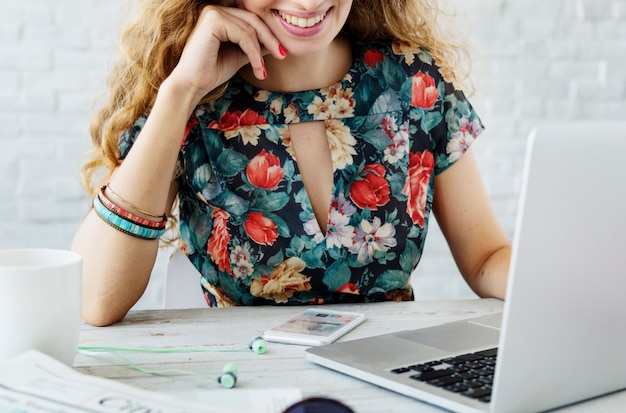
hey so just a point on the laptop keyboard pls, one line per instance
(468, 374)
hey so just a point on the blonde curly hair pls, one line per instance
(153, 40)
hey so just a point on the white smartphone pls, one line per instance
(314, 327)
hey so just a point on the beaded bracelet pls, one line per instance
(129, 216)
(123, 225)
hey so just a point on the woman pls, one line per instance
(306, 142)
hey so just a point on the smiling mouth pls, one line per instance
(302, 22)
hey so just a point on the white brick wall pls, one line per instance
(53, 57)
(540, 60)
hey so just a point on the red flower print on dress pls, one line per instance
(421, 166)
(264, 171)
(248, 124)
(371, 189)
(217, 246)
(236, 119)
(228, 121)
(424, 92)
(260, 229)
(373, 56)
(349, 288)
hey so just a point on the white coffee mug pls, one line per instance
(40, 302)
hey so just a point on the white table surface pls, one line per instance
(282, 365)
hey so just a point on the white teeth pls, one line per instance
(301, 21)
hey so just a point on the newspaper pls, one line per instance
(36, 383)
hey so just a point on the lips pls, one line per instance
(302, 22)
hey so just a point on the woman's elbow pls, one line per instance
(490, 281)
(101, 315)
(104, 306)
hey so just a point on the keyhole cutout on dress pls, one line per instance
(312, 153)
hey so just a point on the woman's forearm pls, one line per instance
(116, 270)
(117, 266)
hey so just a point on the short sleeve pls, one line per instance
(462, 127)
(438, 109)
(128, 137)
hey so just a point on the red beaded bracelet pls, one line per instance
(128, 215)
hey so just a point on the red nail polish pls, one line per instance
(282, 50)
(264, 70)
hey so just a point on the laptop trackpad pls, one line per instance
(453, 337)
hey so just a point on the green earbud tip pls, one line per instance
(228, 380)
(258, 346)
(230, 368)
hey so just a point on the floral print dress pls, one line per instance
(246, 222)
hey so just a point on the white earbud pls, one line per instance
(257, 344)
(228, 379)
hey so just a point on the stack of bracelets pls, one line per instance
(125, 221)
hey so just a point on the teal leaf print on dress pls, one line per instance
(425, 57)
(396, 184)
(272, 201)
(230, 163)
(355, 262)
(405, 92)
(409, 257)
(231, 203)
(288, 170)
(394, 75)
(230, 286)
(313, 257)
(362, 93)
(415, 232)
(213, 143)
(415, 114)
(273, 135)
(377, 138)
(458, 109)
(281, 225)
(430, 120)
(391, 280)
(276, 259)
(296, 246)
(337, 275)
(202, 225)
(203, 178)
(208, 270)
(386, 103)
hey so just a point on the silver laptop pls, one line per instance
(562, 337)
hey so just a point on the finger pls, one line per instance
(240, 46)
(264, 35)
(250, 51)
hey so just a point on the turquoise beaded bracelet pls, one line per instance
(129, 216)
(124, 225)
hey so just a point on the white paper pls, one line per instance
(36, 383)
(244, 400)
